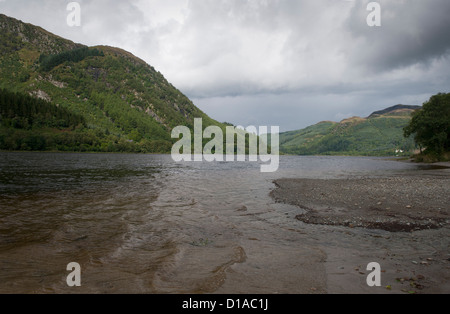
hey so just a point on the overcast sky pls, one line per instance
(287, 63)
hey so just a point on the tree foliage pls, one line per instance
(430, 125)
(31, 124)
(75, 55)
(21, 111)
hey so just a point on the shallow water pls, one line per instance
(144, 224)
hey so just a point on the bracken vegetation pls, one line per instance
(379, 135)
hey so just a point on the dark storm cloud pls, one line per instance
(282, 62)
(412, 32)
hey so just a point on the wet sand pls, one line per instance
(401, 222)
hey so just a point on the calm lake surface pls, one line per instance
(145, 224)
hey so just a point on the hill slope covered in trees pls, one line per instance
(125, 104)
(381, 134)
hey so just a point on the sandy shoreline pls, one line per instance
(403, 222)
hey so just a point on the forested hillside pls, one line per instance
(30, 123)
(381, 134)
(125, 104)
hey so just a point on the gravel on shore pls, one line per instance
(395, 204)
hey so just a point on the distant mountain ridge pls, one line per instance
(126, 103)
(380, 134)
(395, 109)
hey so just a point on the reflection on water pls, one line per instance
(144, 224)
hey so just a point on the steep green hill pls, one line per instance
(381, 134)
(126, 104)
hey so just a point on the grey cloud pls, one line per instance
(275, 62)
(412, 31)
(292, 111)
